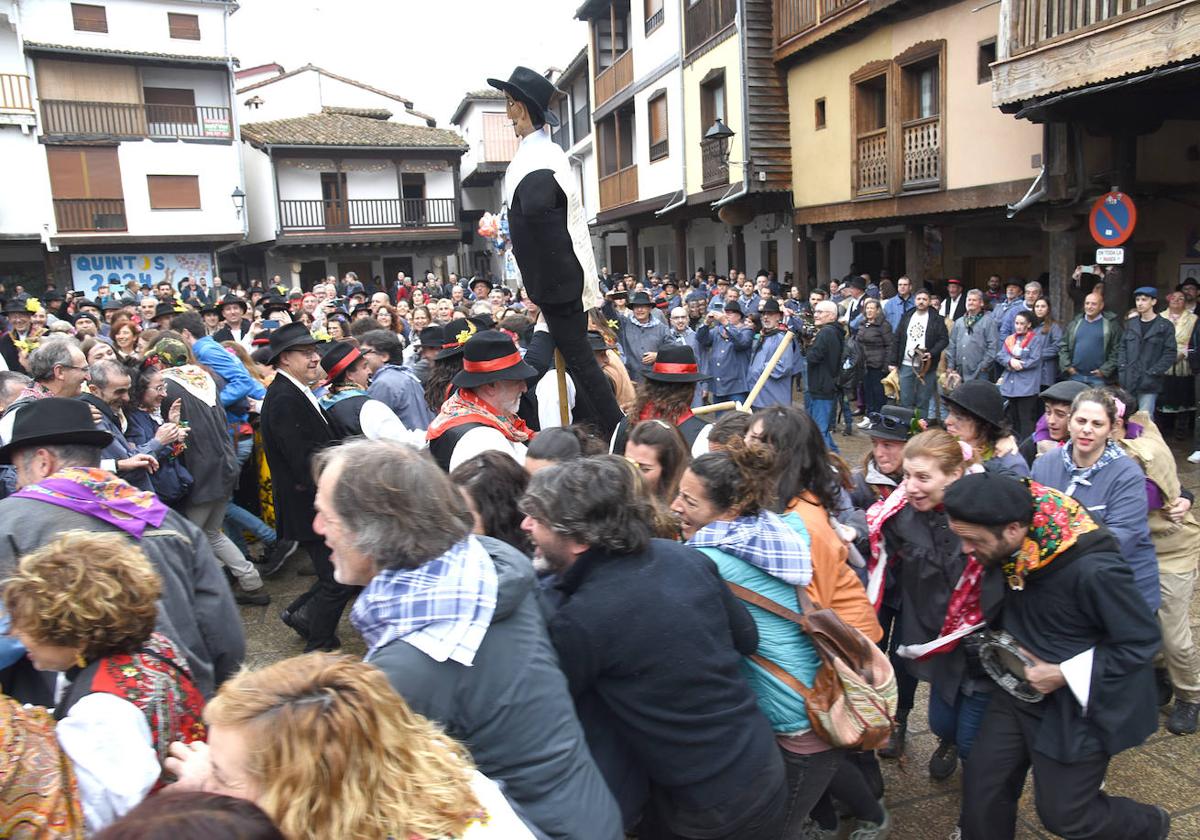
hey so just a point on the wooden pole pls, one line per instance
(747, 406)
(560, 370)
(731, 405)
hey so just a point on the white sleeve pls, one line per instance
(502, 822)
(108, 464)
(546, 393)
(700, 446)
(484, 439)
(1077, 671)
(379, 422)
(108, 741)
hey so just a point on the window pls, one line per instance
(174, 192)
(712, 99)
(919, 133)
(612, 36)
(871, 149)
(88, 18)
(819, 119)
(561, 133)
(615, 135)
(167, 107)
(656, 109)
(85, 183)
(581, 119)
(654, 15)
(920, 91)
(987, 56)
(184, 27)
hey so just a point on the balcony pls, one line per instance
(704, 19)
(714, 169)
(871, 163)
(14, 93)
(365, 214)
(1048, 46)
(619, 188)
(800, 23)
(921, 141)
(612, 80)
(68, 118)
(84, 215)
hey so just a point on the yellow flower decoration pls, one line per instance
(33, 305)
(28, 345)
(321, 335)
(612, 325)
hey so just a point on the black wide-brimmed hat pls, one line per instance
(770, 306)
(676, 363)
(289, 337)
(274, 303)
(981, 399)
(164, 310)
(640, 299)
(597, 341)
(234, 299)
(532, 88)
(54, 420)
(432, 336)
(338, 359)
(17, 306)
(733, 306)
(893, 422)
(481, 281)
(491, 356)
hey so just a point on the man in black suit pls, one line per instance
(235, 326)
(293, 429)
(19, 322)
(550, 239)
(955, 304)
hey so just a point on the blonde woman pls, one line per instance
(325, 746)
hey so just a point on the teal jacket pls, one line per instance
(779, 640)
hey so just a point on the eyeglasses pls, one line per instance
(890, 423)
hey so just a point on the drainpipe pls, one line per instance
(742, 47)
(235, 131)
(1038, 189)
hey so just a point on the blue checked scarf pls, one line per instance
(1082, 475)
(763, 540)
(442, 608)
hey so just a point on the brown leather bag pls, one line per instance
(853, 699)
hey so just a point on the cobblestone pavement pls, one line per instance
(1165, 770)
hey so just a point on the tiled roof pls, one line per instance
(333, 128)
(486, 94)
(370, 113)
(35, 46)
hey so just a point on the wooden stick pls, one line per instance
(748, 403)
(731, 405)
(560, 370)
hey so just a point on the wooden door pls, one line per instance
(333, 197)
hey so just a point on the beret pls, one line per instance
(1149, 291)
(988, 498)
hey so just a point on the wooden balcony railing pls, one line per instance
(871, 162)
(704, 19)
(792, 17)
(921, 142)
(613, 80)
(14, 92)
(1038, 21)
(619, 188)
(62, 117)
(75, 215)
(714, 170)
(365, 213)
(654, 21)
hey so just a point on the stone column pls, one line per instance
(1060, 229)
(821, 238)
(684, 271)
(633, 251)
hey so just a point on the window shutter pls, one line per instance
(84, 172)
(89, 18)
(174, 192)
(185, 27)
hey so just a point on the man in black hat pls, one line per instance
(778, 390)
(350, 411)
(955, 305)
(851, 306)
(550, 237)
(731, 341)
(236, 326)
(1056, 583)
(643, 334)
(19, 322)
(294, 429)
(163, 313)
(52, 440)
(481, 416)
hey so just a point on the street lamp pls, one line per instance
(722, 134)
(239, 201)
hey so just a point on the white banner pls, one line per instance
(90, 271)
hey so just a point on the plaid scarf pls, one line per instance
(101, 495)
(443, 607)
(1082, 475)
(764, 541)
(464, 407)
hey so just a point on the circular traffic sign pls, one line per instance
(1112, 219)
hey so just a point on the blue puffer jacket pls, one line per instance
(779, 640)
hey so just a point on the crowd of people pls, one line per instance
(581, 625)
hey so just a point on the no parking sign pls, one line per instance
(1112, 219)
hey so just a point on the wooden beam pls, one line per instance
(924, 203)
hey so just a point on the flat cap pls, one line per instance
(989, 498)
(1064, 392)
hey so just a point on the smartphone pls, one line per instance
(270, 325)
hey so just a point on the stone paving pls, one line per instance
(1165, 770)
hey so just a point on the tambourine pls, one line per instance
(1006, 663)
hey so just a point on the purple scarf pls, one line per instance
(101, 495)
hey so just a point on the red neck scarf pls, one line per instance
(650, 412)
(464, 406)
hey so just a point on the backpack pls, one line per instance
(853, 699)
(850, 372)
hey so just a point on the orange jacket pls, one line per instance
(834, 584)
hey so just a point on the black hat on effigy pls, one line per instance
(531, 88)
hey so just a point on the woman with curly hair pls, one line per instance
(85, 606)
(325, 746)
